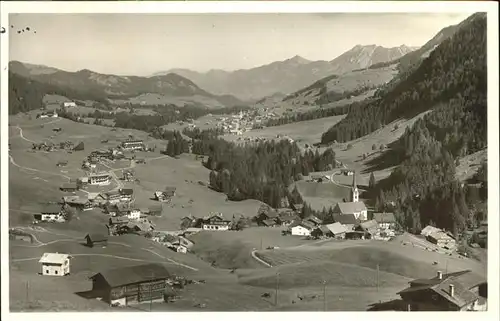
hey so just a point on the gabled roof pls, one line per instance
(429, 230)
(336, 228)
(58, 258)
(134, 274)
(269, 222)
(288, 218)
(351, 207)
(51, 209)
(346, 219)
(384, 217)
(126, 191)
(369, 226)
(97, 237)
(440, 235)
(313, 219)
(308, 225)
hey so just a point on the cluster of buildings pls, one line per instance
(212, 222)
(444, 240)
(244, 121)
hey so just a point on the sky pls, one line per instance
(142, 44)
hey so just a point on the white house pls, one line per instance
(51, 213)
(55, 264)
(301, 229)
(216, 222)
(69, 104)
(134, 214)
(100, 179)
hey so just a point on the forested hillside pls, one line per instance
(452, 83)
(455, 69)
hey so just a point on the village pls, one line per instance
(350, 221)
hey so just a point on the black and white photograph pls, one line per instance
(202, 157)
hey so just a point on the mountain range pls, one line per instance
(289, 75)
(104, 86)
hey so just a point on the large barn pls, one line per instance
(132, 284)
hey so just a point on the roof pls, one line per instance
(111, 193)
(51, 209)
(314, 219)
(58, 258)
(75, 200)
(134, 274)
(119, 219)
(351, 207)
(440, 235)
(127, 191)
(305, 224)
(269, 222)
(97, 237)
(369, 226)
(69, 185)
(288, 218)
(323, 229)
(345, 219)
(336, 228)
(384, 217)
(429, 230)
(463, 281)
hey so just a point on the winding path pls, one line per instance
(259, 259)
(36, 170)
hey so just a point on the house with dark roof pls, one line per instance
(69, 187)
(131, 285)
(92, 239)
(285, 219)
(385, 220)
(458, 291)
(335, 230)
(358, 209)
(348, 220)
(442, 239)
(268, 223)
(369, 228)
(314, 220)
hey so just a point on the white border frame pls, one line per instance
(263, 7)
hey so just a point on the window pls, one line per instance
(56, 272)
(46, 271)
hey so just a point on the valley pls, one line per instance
(294, 186)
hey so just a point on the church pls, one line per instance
(354, 206)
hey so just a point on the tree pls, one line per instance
(372, 182)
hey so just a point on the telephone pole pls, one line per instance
(377, 276)
(324, 295)
(277, 288)
(27, 290)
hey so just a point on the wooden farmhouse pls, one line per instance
(131, 285)
(457, 291)
(96, 239)
(216, 222)
(55, 264)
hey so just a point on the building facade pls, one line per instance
(100, 179)
(54, 264)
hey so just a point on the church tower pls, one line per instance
(354, 189)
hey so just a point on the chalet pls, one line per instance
(314, 220)
(50, 213)
(17, 235)
(358, 209)
(302, 228)
(348, 220)
(69, 187)
(369, 228)
(54, 264)
(155, 210)
(457, 291)
(132, 284)
(320, 231)
(216, 223)
(132, 145)
(442, 239)
(99, 179)
(113, 197)
(169, 191)
(119, 220)
(126, 194)
(79, 203)
(285, 219)
(385, 220)
(92, 239)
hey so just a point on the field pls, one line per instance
(349, 268)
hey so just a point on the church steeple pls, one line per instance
(354, 189)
